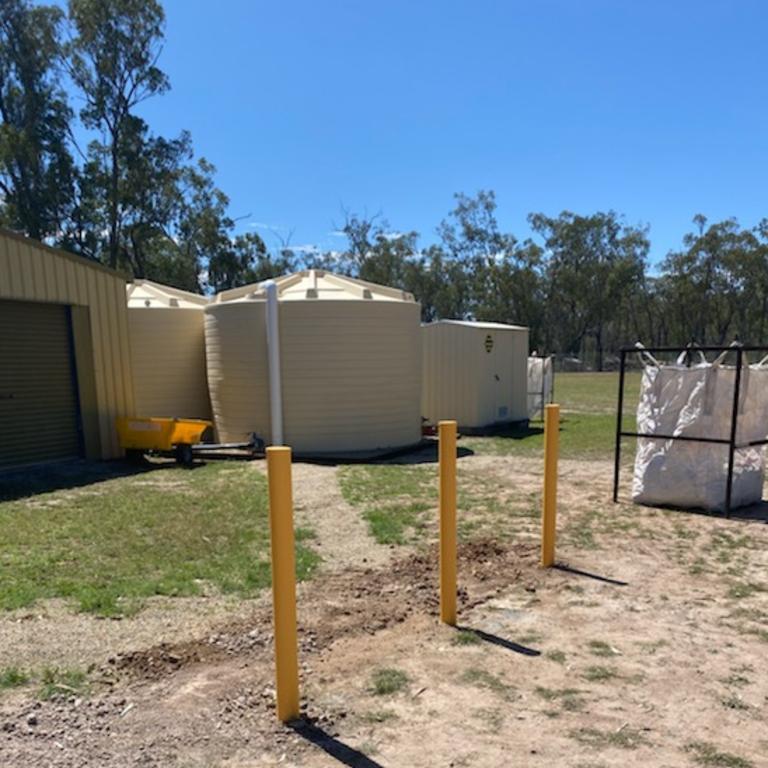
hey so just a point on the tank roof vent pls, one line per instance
(311, 293)
(367, 293)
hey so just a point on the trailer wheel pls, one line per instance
(134, 456)
(184, 455)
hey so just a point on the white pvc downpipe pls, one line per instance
(273, 354)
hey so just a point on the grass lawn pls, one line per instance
(396, 500)
(115, 539)
(168, 531)
(588, 419)
(595, 392)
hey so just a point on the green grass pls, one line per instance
(378, 716)
(595, 392)
(588, 419)
(398, 501)
(625, 738)
(13, 677)
(741, 590)
(394, 499)
(569, 698)
(386, 681)
(708, 755)
(585, 436)
(600, 674)
(465, 637)
(601, 648)
(481, 678)
(171, 531)
(66, 682)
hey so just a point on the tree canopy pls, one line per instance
(149, 205)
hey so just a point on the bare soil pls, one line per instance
(646, 647)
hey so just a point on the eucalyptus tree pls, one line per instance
(36, 166)
(593, 265)
(113, 58)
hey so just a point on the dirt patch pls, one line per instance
(646, 649)
(198, 696)
(351, 602)
(50, 634)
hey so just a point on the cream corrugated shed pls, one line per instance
(474, 372)
(350, 364)
(64, 354)
(167, 350)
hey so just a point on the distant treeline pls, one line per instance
(143, 203)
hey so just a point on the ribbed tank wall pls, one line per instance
(236, 358)
(351, 373)
(168, 361)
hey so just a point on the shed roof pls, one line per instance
(76, 257)
(147, 294)
(314, 284)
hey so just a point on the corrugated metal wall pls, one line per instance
(30, 271)
(38, 399)
(474, 373)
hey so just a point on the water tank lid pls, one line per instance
(317, 284)
(479, 324)
(151, 295)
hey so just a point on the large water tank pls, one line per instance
(165, 329)
(350, 364)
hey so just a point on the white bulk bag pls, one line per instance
(697, 401)
(541, 380)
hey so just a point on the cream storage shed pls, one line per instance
(165, 328)
(475, 373)
(341, 377)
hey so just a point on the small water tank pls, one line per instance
(350, 364)
(165, 329)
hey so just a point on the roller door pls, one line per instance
(38, 400)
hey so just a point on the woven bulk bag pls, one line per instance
(697, 402)
(541, 379)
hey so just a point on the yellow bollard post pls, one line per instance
(549, 501)
(447, 433)
(283, 582)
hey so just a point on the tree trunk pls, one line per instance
(599, 348)
(113, 204)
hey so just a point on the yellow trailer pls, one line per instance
(182, 438)
(155, 435)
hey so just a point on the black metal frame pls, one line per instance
(739, 351)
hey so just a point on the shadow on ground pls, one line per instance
(22, 483)
(425, 453)
(338, 750)
(565, 568)
(501, 642)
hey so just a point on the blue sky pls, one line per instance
(657, 110)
